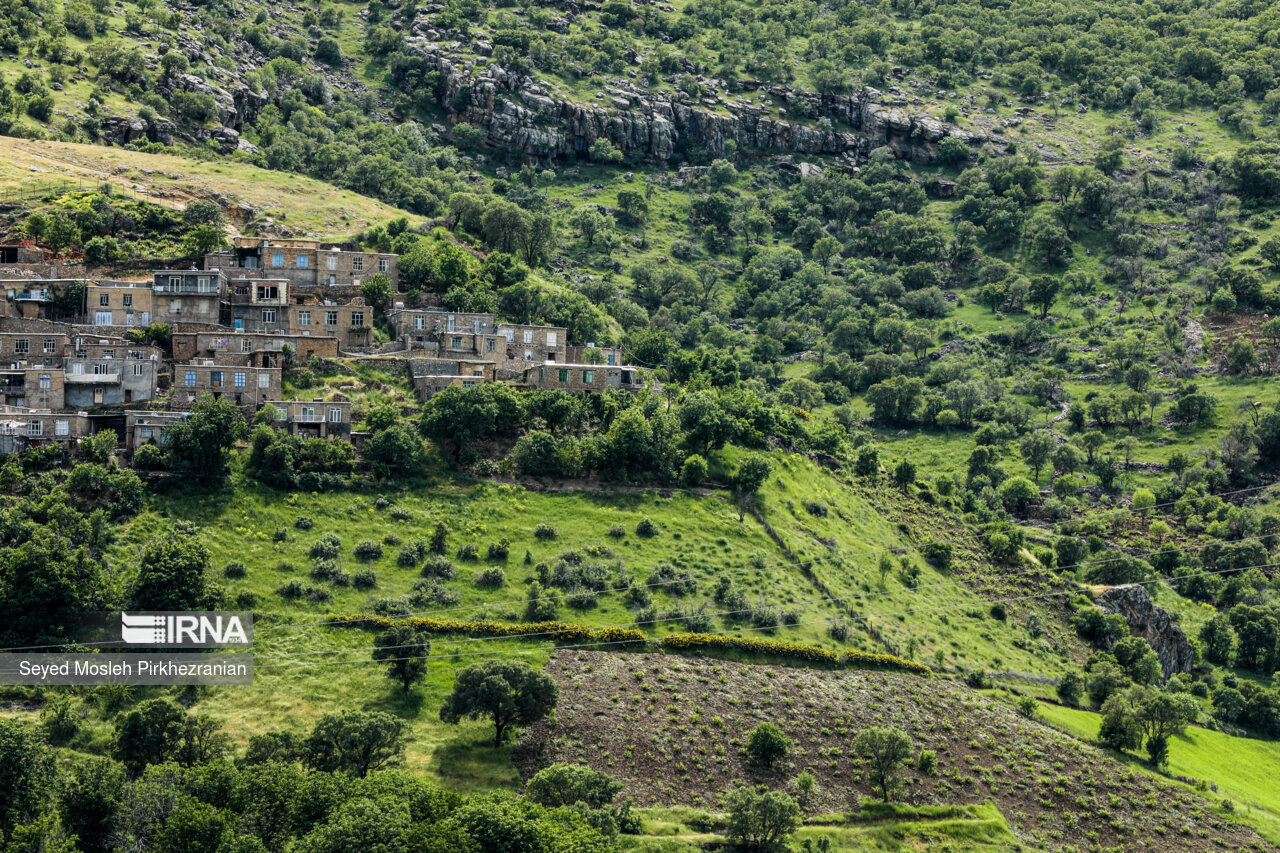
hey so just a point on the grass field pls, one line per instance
(1242, 769)
(306, 207)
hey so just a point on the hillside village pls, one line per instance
(78, 355)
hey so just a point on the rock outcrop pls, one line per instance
(519, 116)
(1153, 624)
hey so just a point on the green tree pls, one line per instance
(760, 822)
(747, 481)
(203, 212)
(1037, 449)
(151, 733)
(203, 239)
(885, 750)
(567, 784)
(60, 234)
(355, 742)
(200, 442)
(173, 575)
(405, 652)
(1017, 493)
(27, 776)
(1218, 640)
(506, 692)
(377, 291)
(767, 744)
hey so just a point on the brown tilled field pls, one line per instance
(672, 731)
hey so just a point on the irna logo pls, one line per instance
(183, 629)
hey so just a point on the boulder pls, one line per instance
(1152, 623)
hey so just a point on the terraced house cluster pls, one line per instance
(79, 358)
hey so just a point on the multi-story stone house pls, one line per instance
(259, 305)
(528, 345)
(350, 322)
(188, 297)
(304, 263)
(313, 418)
(118, 303)
(21, 428)
(254, 349)
(248, 387)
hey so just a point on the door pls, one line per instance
(97, 396)
(102, 318)
(215, 379)
(238, 323)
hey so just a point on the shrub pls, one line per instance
(364, 579)
(1027, 706)
(317, 595)
(544, 532)
(839, 630)
(400, 513)
(617, 532)
(646, 529)
(302, 522)
(291, 589)
(413, 553)
(148, 457)
(329, 547)
(234, 570)
(694, 470)
(368, 550)
(672, 582)
(498, 550)
(391, 540)
(927, 763)
(437, 566)
(581, 598)
(491, 577)
(938, 555)
(468, 551)
(818, 509)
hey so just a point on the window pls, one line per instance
(509, 334)
(308, 413)
(528, 336)
(302, 261)
(246, 345)
(35, 428)
(268, 315)
(46, 381)
(551, 339)
(239, 379)
(242, 290)
(175, 307)
(357, 263)
(204, 284)
(563, 376)
(108, 353)
(476, 324)
(331, 318)
(50, 346)
(264, 380)
(268, 291)
(77, 368)
(528, 355)
(145, 432)
(419, 322)
(62, 428)
(175, 282)
(610, 358)
(383, 265)
(137, 369)
(588, 377)
(215, 379)
(331, 262)
(104, 299)
(453, 324)
(333, 279)
(335, 415)
(357, 319)
(190, 379)
(490, 345)
(100, 369)
(204, 306)
(304, 318)
(281, 413)
(22, 346)
(277, 259)
(128, 300)
(456, 343)
(468, 383)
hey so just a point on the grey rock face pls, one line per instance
(1153, 624)
(518, 116)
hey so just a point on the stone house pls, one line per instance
(187, 297)
(259, 305)
(592, 354)
(304, 263)
(146, 427)
(313, 418)
(252, 349)
(108, 381)
(22, 428)
(583, 377)
(248, 387)
(350, 322)
(118, 303)
(526, 345)
(432, 375)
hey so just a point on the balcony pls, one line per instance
(92, 378)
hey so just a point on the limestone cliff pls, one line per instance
(519, 117)
(1153, 624)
